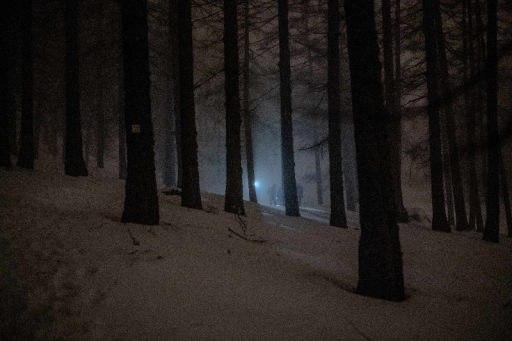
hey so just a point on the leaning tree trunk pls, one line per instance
(141, 199)
(26, 153)
(247, 110)
(288, 172)
(7, 95)
(380, 257)
(190, 195)
(439, 221)
(492, 222)
(338, 215)
(395, 129)
(74, 163)
(461, 220)
(234, 202)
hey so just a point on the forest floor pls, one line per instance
(70, 270)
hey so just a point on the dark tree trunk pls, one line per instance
(439, 221)
(318, 175)
(26, 153)
(480, 107)
(190, 195)
(172, 132)
(475, 210)
(447, 178)
(506, 196)
(141, 200)
(122, 126)
(7, 95)
(247, 109)
(380, 257)
(492, 222)
(461, 220)
(74, 164)
(338, 215)
(395, 128)
(287, 153)
(234, 202)
(101, 131)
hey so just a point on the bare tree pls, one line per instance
(234, 184)
(492, 223)
(380, 256)
(289, 182)
(74, 163)
(439, 221)
(141, 200)
(338, 215)
(190, 196)
(26, 152)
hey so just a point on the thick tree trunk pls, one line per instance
(101, 131)
(395, 129)
(461, 220)
(247, 110)
(122, 126)
(492, 223)
(288, 172)
(74, 164)
(380, 257)
(190, 195)
(439, 221)
(141, 200)
(234, 202)
(338, 215)
(26, 153)
(7, 95)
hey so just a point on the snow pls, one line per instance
(72, 271)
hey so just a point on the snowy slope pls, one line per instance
(77, 268)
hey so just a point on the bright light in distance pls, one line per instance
(256, 184)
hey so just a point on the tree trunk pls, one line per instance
(234, 202)
(338, 215)
(7, 95)
(247, 110)
(26, 153)
(439, 221)
(506, 196)
(492, 223)
(101, 131)
(190, 195)
(380, 257)
(288, 172)
(475, 211)
(74, 164)
(461, 220)
(447, 178)
(122, 126)
(141, 200)
(395, 129)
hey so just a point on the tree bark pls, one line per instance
(247, 110)
(287, 153)
(7, 95)
(101, 131)
(492, 223)
(461, 220)
(26, 152)
(190, 195)
(395, 129)
(234, 202)
(506, 196)
(338, 215)
(141, 200)
(439, 221)
(380, 257)
(74, 164)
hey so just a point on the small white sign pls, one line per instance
(136, 128)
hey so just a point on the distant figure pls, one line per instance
(272, 195)
(300, 193)
(280, 195)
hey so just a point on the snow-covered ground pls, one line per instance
(71, 271)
